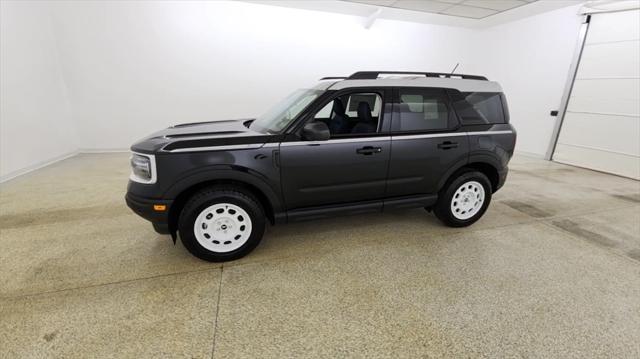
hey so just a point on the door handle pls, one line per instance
(447, 145)
(368, 150)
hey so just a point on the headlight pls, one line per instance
(143, 168)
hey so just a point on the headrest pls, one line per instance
(338, 107)
(364, 111)
(404, 107)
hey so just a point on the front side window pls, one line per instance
(352, 114)
(280, 116)
(422, 110)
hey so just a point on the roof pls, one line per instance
(462, 83)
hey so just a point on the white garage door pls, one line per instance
(601, 127)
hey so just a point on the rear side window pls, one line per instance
(421, 110)
(478, 108)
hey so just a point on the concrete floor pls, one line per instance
(552, 270)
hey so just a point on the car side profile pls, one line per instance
(370, 142)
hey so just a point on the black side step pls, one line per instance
(304, 214)
(327, 211)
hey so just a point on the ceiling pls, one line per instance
(474, 9)
(462, 13)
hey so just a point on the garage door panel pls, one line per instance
(605, 132)
(616, 26)
(614, 59)
(620, 164)
(612, 96)
(601, 126)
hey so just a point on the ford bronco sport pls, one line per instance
(369, 142)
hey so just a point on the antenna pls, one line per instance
(454, 69)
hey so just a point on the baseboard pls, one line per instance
(103, 150)
(530, 154)
(36, 166)
(53, 160)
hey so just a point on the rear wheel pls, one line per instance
(221, 224)
(464, 199)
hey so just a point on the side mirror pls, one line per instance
(316, 131)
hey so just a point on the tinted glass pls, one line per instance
(422, 110)
(474, 108)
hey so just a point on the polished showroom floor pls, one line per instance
(552, 270)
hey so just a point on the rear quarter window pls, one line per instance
(478, 108)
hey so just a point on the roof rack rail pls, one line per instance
(372, 75)
(334, 78)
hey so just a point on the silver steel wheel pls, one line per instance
(467, 200)
(223, 227)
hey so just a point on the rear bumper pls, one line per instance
(144, 208)
(502, 178)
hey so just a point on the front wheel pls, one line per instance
(464, 199)
(221, 224)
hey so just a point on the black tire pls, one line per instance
(220, 194)
(442, 209)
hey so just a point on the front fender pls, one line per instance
(229, 173)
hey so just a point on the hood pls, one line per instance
(188, 136)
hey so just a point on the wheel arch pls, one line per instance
(185, 188)
(488, 168)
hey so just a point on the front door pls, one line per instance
(349, 167)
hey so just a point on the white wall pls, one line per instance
(131, 68)
(35, 114)
(136, 67)
(531, 59)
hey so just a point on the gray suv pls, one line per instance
(370, 142)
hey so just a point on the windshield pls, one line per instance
(281, 115)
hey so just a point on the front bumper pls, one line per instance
(144, 207)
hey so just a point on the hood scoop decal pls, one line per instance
(219, 133)
(211, 143)
(200, 123)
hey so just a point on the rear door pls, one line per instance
(349, 167)
(425, 141)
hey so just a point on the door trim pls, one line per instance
(394, 137)
(397, 137)
(337, 140)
